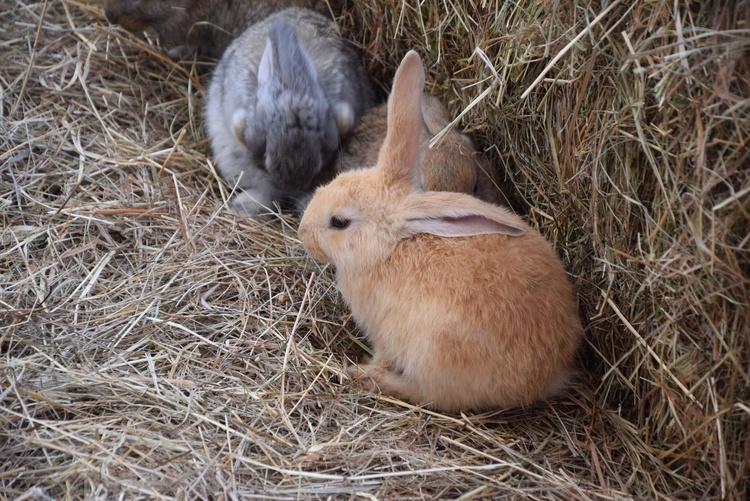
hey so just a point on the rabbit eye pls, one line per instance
(339, 222)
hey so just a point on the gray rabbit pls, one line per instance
(284, 94)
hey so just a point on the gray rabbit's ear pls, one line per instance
(286, 61)
(266, 66)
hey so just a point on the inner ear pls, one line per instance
(266, 65)
(483, 223)
(461, 226)
(455, 215)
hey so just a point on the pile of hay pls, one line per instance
(153, 344)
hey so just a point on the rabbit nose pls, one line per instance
(307, 236)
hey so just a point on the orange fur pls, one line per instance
(482, 318)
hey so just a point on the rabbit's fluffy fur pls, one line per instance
(466, 306)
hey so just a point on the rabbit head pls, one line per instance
(297, 129)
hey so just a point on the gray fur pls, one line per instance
(273, 107)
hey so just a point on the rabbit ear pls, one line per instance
(266, 66)
(286, 61)
(400, 151)
(435, 114)
(454, 215)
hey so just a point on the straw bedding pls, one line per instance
(155, 345)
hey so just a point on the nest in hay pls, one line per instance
(154, 344)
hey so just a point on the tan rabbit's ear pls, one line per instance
(398, 156)
(454, 215)
(435, 115)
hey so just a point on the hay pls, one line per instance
(152, 344)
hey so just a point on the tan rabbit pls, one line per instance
(203, 26)
(452, 164)
(465, 305)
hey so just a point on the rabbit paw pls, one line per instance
(360, 375)
(179, 53)
(252, 203)
(372, 376)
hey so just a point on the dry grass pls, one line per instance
(152, 344)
